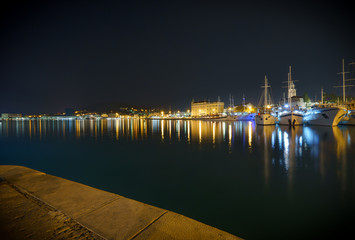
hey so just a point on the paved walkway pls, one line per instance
(35, 205)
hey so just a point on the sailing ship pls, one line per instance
(292, 116)
(265, 117)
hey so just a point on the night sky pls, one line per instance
(62, 54)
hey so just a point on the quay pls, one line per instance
(36, 205)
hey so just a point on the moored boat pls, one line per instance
(325, 116)
(291, 117)
(265, 117)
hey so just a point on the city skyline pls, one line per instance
(60, 55)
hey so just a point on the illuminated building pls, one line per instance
(113, 115)
(10, 115)
(205, 108)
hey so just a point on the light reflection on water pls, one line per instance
(292, 142)
(272, 160)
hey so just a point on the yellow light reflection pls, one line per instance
(249, 135)
(34, 128)
(178, 129)
(96, 130)
(188, 131)
(40, 129)
(341, 145)
(77, 128)
(102, 128)
(123, 127)
(117, 135)
(162, 129)
(199, 132)
(145, 128)
(229, 136)
(91, 127)
(169, 129)
(82, 127)
(214, 132)
(29, 128)
(141, 127)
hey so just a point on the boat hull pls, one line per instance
(325, 117)
(265, 119)
(292, 119)
(349, 119)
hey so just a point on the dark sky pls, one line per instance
(64, 54)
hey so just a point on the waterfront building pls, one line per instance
(206, 108)
(10, 115)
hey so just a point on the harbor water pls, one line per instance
(255, 182)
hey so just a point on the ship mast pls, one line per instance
(321, 94)
(289, 87)
(344, 80)
(265, 94)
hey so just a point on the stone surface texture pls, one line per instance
(35, 205)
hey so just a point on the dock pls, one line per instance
(36, 205)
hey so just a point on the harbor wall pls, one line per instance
(37, 205)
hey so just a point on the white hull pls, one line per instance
(291, 119)
(265, 119)
(325, 116)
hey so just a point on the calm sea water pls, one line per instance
(252, 181)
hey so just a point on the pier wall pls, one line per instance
(37, 205)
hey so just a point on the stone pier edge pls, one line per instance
(105, 215)
(42, 204)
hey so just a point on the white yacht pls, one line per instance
(325, 114)
(291, 116)
(265, 117)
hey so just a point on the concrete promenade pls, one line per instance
(35, 205)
